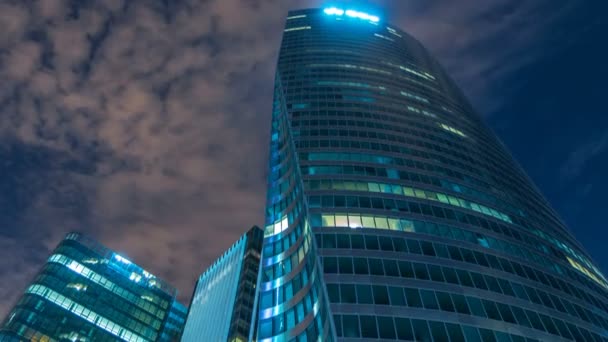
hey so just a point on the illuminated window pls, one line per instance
(298, 28)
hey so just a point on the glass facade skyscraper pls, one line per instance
(222, 307)
(393, 211)
(86, 292)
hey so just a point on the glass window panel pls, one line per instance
(460, 303)
(350, 326)
(390, 267)
(521, 317)
(450, 275)
(386, 243)
(414, 246)
(386, 328)
(354, 221)
(491, 309)
(375, 266)
(364, 294)
(400, 245)
(404, 329)
(421, 330)
(406, 268)
(413, 298)
(381, 222)
(341, 221)
(368, 327)
(487, 335)
(396, 296)
(329, 240)
(455, 332)
(361, 266)
(333, 291)
(454, 253)
(368, 221)
(465, 278)
(441, 250)
(328, 220)
(476, 306)
(492, 284)
(343, 241)
(506, 287)
(421, 271)
(347, 293)
(337, 323)
(357, 242)
(506, 313)
(435, 272)
(427, 248)
(472, 334)
(346, 265)
(445, 302)
(548, 323)
(371, 242)
(380, 295)
(563, 330)
(478, 281)
(438, 331)
(330, 265)
(428, 299)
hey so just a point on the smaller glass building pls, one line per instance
(223, 302)
(87, 292)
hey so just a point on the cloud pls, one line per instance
(145, 124)
(578, 159)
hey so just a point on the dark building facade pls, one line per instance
(394, 212)
(86, 292)
(222, 306)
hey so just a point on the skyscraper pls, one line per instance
(394, 212)
(222, 307)
(86, 292)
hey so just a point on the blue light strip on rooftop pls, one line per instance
(351, 13)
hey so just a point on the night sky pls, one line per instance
(145, 123)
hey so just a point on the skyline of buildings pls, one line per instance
(393, 212)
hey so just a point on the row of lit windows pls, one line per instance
(82, 312)
(123, 271)
(90, 295)
(421, 247)
(108, 306)
(406, 191)
(405, 329)
(104, 282)
(35, 319)
(356, 185)
(357, 220)
(411, 192)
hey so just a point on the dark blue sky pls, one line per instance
(555, 121)
(145, 123)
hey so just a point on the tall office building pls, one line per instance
(222, 307)
(394, 213)
(86, 292)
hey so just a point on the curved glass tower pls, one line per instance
(394, 213)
